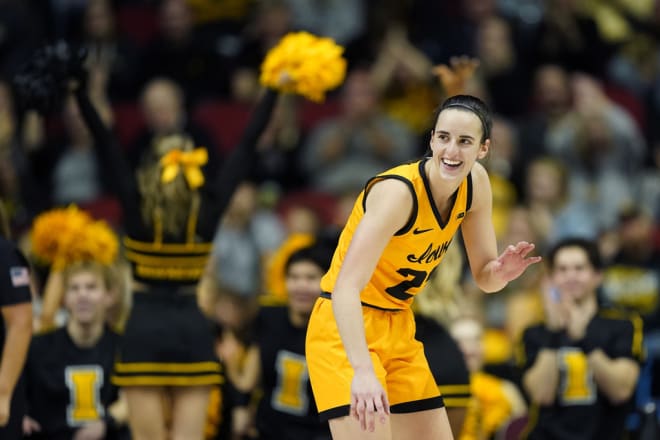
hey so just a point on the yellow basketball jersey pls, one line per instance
(414, 251)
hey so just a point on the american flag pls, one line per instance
(20, 276)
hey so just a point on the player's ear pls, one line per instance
(484, 148)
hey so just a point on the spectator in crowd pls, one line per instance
(504, 73)
(77, 176)
(551, 100)
(180, 53)
(499, 164)
(581, 366)
(163, 106)
(554, 213)
(495, 401)
(109, 51)
(603, 148)
(631, 279)
(68, 370)
(247, 235)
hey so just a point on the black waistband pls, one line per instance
(327, 295)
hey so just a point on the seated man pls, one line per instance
(68, 369)
(581, 366)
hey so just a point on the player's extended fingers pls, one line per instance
(386, 403)
(360, 409)
(382, 408)
(526, 250)
(532, 260)
(353, 410)
(370, 414)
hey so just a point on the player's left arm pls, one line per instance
(616, 375)
(490, 271)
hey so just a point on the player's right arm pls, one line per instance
(18, 323)
(388, 207)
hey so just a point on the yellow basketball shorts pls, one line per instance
(398, 359)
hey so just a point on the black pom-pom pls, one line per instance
(42, 82)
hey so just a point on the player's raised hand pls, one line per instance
(514, 261)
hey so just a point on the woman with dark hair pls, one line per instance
(364, 361)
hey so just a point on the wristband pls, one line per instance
(110, 422)
(586, 345)
(240, 398)
(553, 340)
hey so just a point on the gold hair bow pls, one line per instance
(188, 162)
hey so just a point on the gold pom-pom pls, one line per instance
(305, 64)
(62, 236)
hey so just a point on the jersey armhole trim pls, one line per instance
(413, 215)
(468, 203)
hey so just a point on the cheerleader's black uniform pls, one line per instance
(167, 340)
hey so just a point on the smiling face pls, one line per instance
(456, 143)
(574, 275)
(303, 279)
(86, 297)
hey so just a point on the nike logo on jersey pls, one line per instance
(421, 231)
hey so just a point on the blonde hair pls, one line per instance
(166, 206)
(104, 272)
(115, 278)
(442, 297)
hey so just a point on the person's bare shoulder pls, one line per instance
(481, 190)
(390, 201)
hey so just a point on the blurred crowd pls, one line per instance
(574, 86)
